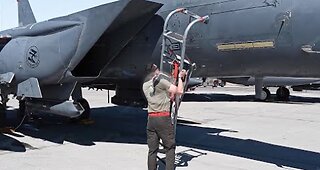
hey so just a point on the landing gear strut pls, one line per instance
(77, 96)
(283, 94)
(21, 113)
(262, 93)
(22, 107)
(86, 114)
(3, 106)
(267, 93)
(2, 116)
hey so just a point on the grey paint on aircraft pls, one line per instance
(111, 44)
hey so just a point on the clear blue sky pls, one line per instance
(43, 9)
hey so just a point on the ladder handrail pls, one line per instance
(185, 36)
(197, 18)
(165, 31)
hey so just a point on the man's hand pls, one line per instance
(183, 74)
(177, 90)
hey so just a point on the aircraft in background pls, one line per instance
(310, 86)
(282, 92)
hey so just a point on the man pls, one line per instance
(158, 89)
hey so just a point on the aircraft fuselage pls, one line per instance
(252, 37)
(42, 50)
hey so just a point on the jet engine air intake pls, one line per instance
(4, 40)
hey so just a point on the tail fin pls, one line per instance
(25, 13)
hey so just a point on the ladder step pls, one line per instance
(185, 61)
(177, 57)
(191, 14)
(174, 36)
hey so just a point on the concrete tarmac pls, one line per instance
(220, 128)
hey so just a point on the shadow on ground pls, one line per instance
(8, 143)
(127, 125)
(212, 97)
(182, 158)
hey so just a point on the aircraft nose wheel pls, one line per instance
(283, 94)
(265, 94)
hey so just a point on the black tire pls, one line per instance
(86, 114)
(267, 91)
(283, 94)
(223, 83)
(287, 94)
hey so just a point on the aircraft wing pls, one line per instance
(106, 30)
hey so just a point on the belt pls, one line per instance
(158, 114)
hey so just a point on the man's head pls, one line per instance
(152, 69)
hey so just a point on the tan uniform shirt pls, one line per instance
(158, 98)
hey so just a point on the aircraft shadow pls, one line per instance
(10, 144)
(211, 97)
(249, 148)
(127, 125)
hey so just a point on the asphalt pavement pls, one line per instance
(219, 128)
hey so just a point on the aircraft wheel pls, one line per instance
(283, 94)
(3, 116)
(86, 106)
(223, 83)
(263, 96)
(267, 93)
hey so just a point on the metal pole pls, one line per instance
(108, 96)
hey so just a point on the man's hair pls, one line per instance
(151, 68)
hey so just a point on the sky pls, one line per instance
(43, 9)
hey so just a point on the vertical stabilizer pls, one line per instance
(25, 13)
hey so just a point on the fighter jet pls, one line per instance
(244, 38)
(109, 47)
(38, 59)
